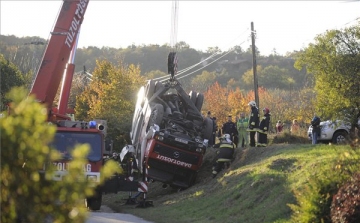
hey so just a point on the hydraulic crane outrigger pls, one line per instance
(57, 64)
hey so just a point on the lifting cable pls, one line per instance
(172, 58)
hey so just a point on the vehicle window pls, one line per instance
(65, 142)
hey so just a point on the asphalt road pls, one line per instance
(106, 215)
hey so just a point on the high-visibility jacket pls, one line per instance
(242, 124)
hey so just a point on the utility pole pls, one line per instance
(254, 65)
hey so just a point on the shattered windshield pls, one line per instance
(65, 142)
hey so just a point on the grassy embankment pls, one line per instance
(257, 187)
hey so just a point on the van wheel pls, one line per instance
(340, 138)
(94, 203)
(150, 89)
(159, 86)
(199, 101)
(208, 128)
(192, 95)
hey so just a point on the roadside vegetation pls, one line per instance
(280, 183)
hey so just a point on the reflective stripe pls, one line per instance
(223, 160)
(226, 146)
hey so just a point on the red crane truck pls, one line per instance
(57, 66)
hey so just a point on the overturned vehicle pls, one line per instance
(169, 134)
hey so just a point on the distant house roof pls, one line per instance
(238, 61)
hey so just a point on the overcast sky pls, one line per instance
(282, 25)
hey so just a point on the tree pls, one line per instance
(203, 81)
(10, 77)
(155, 74)
(269, 77)
(111, 96)
(334, 60)
(28, 193)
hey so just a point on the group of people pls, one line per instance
(237, 133)
(233, 134)
(244, 128)
(294, 129)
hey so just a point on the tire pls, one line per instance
(193, 178)
(208, 128)
(94, 203)
(199, 101)
(157, 114)
(159, 86)
(192, 95)
(150, 89)
(340, 137)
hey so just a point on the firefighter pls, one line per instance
(263, 128)
(225, 154)
(253, 122)
(241, 125)
(229, 127)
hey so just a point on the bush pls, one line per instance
(287, 137)
(27, 193)
(345, 205)
(315, 199)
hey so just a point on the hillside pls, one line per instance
(257, 187)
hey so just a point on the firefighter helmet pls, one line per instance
(252, 103)
(226, 136)
(266, 110)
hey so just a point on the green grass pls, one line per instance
(257, 188)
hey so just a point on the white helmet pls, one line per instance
(252, 103)
(226, 136)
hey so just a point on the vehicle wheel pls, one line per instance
(159, 86)
(150, 89)
(208, 128)
(340, 138)
(94, 203)
(157, 113)
(193, 179)
(199, 101)
(192, 95)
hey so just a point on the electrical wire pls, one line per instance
(186, 75)
(163, 78)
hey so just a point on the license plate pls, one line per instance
(181, 140)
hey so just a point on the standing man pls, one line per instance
(263, 128)
(253, 122)
(242, 125)
(229, 127)
(212, 140)
(316, 130)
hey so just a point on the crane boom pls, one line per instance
(58, 51)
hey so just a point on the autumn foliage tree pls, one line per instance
(223, 102)
(111, 96)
